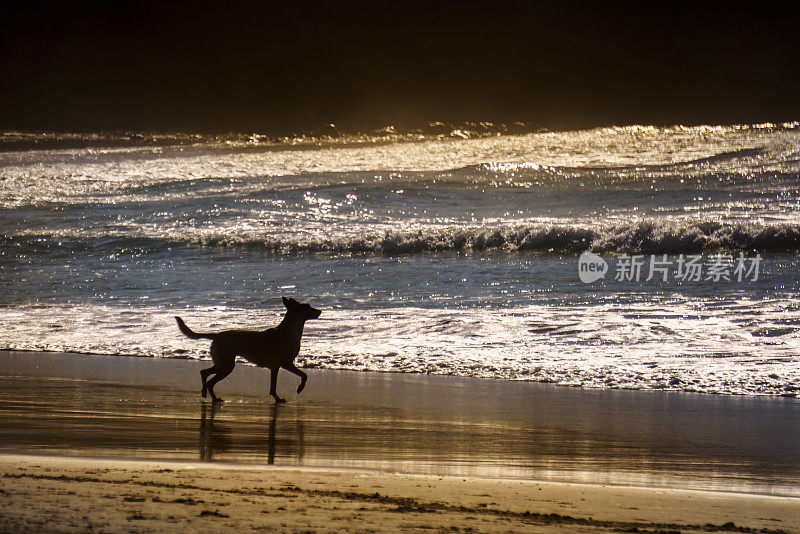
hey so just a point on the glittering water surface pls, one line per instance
(451, 256)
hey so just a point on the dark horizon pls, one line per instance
(139, 65)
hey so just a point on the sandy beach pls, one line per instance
(58, 494)
(115, 443)
(539, 263)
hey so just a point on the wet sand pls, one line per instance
(432, 439)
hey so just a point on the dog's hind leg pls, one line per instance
(303, 377)
(224, 363)
(204, 375)
(221, 374)
(211, 370)
(273, 383)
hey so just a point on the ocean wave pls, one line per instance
(722, 161)
(328, 134)
(331, 134)
(645, 237)
(724, 156)
(642, 237)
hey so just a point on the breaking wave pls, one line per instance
(643, 237)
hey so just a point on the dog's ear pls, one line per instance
(286, 301)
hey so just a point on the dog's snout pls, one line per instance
(315, 313)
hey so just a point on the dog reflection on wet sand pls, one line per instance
(215, 435)
(272, 348)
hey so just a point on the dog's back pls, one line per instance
(265, 348)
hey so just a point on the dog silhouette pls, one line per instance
(273, 348)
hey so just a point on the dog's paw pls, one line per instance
(218, 400)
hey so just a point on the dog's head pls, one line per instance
(305, 311)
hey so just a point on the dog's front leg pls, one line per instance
(303, 377)
(273, 383)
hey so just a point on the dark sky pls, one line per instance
(257, 66)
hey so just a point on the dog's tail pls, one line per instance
(188, 332)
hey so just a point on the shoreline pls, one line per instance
(426, 424)
(245, 364)
(113, 443)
